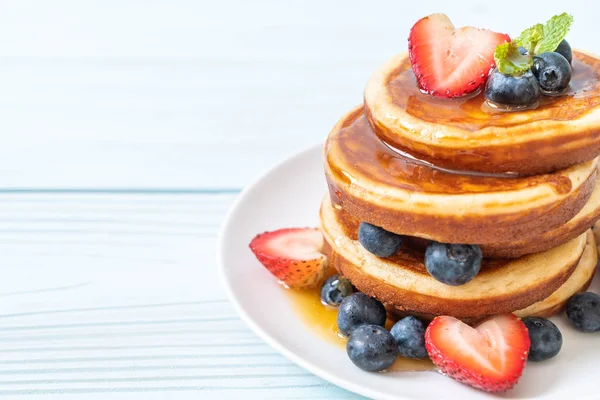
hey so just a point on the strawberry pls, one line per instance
(292, 255)
(490, 357)
(451, 62)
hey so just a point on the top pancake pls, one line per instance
(466, 134)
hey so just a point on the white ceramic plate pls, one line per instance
(288, 196)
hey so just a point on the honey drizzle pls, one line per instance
(322, 321)
(356, 151)
(470, 113)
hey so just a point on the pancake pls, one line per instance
(518, 246)
(401, 281)
(578, 282)
(465, 134)
(376, 184)
(583, 221)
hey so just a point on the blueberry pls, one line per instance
(409, 334)
(512, 91)
(552, 71)
(546, 339)
(359, 309)
(452, 264)
(372, 348)
(378, 241)
(564, 49)
(583, 311)
(335, 289)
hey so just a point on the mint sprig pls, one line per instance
(529, 38)
(537, 39)
(555, 31)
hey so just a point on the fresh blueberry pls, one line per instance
(378, 241)
(409, 334)
(552, 71)
(452, 264)
(512, 91)
(335, 289)
(546, 340)
(359, 309)
(583, 311)
(372, 348)
(564, 49)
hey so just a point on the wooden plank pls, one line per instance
(118, 293)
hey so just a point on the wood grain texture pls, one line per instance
(117, 294)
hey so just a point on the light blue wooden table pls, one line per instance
(127, 129)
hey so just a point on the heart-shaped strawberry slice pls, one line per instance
(293, 255)
(451, 62)
(490, 357)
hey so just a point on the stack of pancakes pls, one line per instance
(521, 185)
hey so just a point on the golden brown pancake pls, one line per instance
(376, 184)
(466, 134)
(518, 246)
(578, 282)
(401, 281)
(580, 223)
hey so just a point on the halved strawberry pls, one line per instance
(451, 62)
(490, 357)
(292, 255)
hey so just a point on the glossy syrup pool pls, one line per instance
(321, 320)
(355, 153)
(471, 113)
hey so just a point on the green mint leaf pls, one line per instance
(538, 39)
(555, 31)
(530, 37)
(510, 61)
